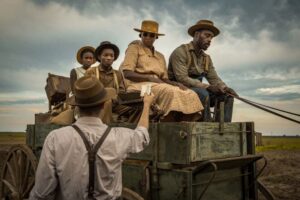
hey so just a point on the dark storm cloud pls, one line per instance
(34, 51)
(251, 17)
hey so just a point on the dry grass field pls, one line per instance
(282, 174)
(12, 138)
(279, 143)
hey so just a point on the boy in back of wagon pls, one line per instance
(68, 169)
(106, 53)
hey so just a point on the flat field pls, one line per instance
(12, 138)
(282, 174)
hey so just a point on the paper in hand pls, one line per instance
(146, 89)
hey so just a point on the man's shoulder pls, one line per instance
(61, 130)
(181, 49)
(56, 134)
(129, 130)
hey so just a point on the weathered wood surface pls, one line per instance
(178, 143)
(181, 184)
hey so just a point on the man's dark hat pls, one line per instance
(90, 92)
(203, 24)
(107, 45)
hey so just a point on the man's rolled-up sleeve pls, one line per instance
(178, 61)
(45, 178)
(139, 138)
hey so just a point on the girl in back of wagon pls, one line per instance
(85, 56)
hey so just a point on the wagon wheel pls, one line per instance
(17, 175)
(128, 194)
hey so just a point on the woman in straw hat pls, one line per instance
(144, 65)
(85, 56)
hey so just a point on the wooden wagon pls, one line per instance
(187, 160)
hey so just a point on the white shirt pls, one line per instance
(63, 170)
(80, 72)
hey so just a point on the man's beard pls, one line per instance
(204, 46)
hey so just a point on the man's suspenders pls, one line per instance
(91, 157)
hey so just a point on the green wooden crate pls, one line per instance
(231, 182)
(178, 143)
(188, 142)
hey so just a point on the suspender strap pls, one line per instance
(91, 157)
(97, 73)
(116, 82)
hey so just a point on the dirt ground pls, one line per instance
(282, 174)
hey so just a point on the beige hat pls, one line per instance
(150, 27)
(79, 53)
(203, 24)
(89, 92)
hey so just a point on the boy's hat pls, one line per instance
(107, 45)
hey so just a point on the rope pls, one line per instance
(284, 111)
(262, 107)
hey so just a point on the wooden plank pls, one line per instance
(208, 143)
(181, 184)
(252, 168)
(174, 142)
(187, 142)
(30, 134)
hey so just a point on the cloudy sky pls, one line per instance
(257, 52)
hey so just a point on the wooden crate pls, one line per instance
(234, 180)
(57, 88)
(180, 143)
(189, 142)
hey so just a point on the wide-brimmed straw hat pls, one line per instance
(80, 51)
(89, 92)
(107, 45)
(150, 27)
(203, 24)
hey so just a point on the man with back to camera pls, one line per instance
(68, 170)
(188, 64)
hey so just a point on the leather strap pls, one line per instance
(116, 82)
(91, 157)
(267, 108)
